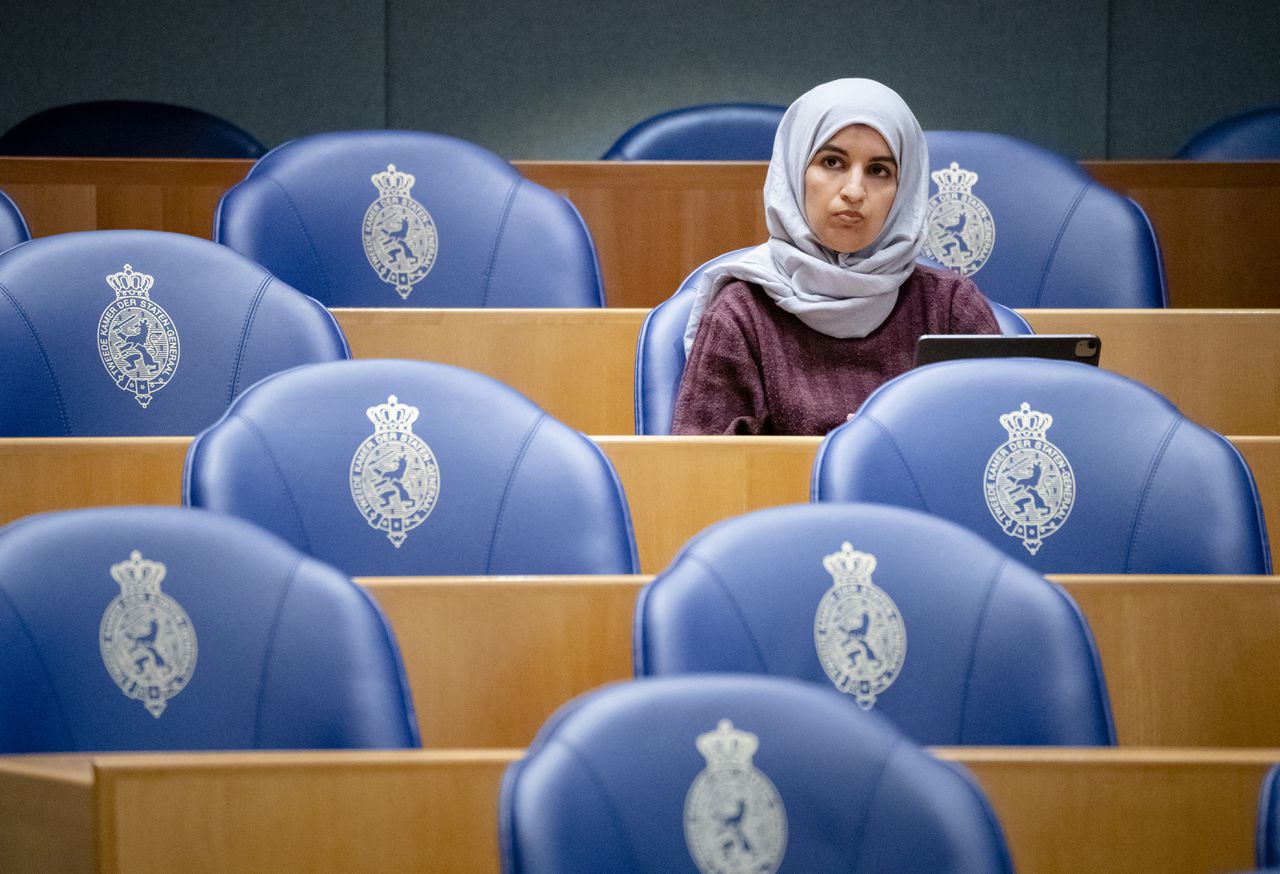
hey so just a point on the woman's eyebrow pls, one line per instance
(885, 159)
(830, 148)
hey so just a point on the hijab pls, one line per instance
(837, 294)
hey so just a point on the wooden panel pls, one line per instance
(1217, 224)
(1220, 367)
(1062, 810)
(46, 814)
(578, 365)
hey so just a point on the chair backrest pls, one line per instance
(1034, 230)
(956, 644)
(1268, 829)
(1249, 136)
(399, 218)
(660, 357)
(736, 773)
(164, 628)
(128, 129)
(142, 333)
(393, 468)
(1070, 468)
(13, 228)
(710, 132)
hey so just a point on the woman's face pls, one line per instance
(849, 188)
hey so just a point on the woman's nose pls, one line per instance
(853, 189)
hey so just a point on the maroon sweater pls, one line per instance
(756, 369)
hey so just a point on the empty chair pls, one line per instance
(128, 129)
(399, 218)
(736, 773)
(660, 355)
(955, 643)
(1248, 136)
(1034, 230)
(1268, 830)
(1067, 467)
(142, 333)
(13, 228)
(164, 628)
(710, 132)
(392, 468)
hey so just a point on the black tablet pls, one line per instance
(1084, 348)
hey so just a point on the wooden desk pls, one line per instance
(675, 486)
(1062, 810)
(562, 636)
(654, 222)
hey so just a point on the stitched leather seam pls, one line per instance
(311, 246)
(1146, 491)
(44, 357)
(232, 389)
(276, 619)
(287, 492)
(1057, 240)
(736, 607)
(506, 490)
(497, 241)
(983, 611)
(35, 648)
(897, 451)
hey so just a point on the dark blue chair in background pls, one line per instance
(660, 357)
(163, 628)
(109, 333)
(1268, 828)
(710, 132)
(128, 129)
(954, 642)
(1067, 467)
(399, 218)
(736, 773)
(394, 468)
(13, 227)
(1034, 230)
(1249, 136)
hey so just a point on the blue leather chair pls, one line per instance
(391, 468)
(128, 129)
(710, 132)
(1034, 230)
(142, 333)
(956, 643)
(736, 773)
(1248, 136)
(399, 218)
(660, 357)
(1067, 467)
(13, 228)
(1268, 830)
(163, 628)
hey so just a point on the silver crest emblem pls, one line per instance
(148, 643)
(960, 231)
(734, 821)
(394, 476)
(399, 234)
(858, 630)
(1028, 484)
(137, 341)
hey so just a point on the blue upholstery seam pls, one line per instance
(272, 632)
(402, 679)
(284, 485)
(35, 648)
(1095, 663)
(1057, 241)
(983, 611)
(737, 609)
(633, 858)
(497, 241)
(1146, 490)
(876, 784)
(897, 451)
(244, 337)
(44, 356)
(506, 489)
(311, 246)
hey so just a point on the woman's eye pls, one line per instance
(831, 162)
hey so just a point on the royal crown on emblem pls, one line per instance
(850, 567)
(954, 178)
(392, 416)
(1026, 423)
(130, 283)
(727, 745)
(138, 575)
(392, 182)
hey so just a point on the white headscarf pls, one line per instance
(840, 295)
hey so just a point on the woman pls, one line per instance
(792, 337)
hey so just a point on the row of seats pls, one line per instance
(708, 132)
(397, 218)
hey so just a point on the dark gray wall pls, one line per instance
(560, 79)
